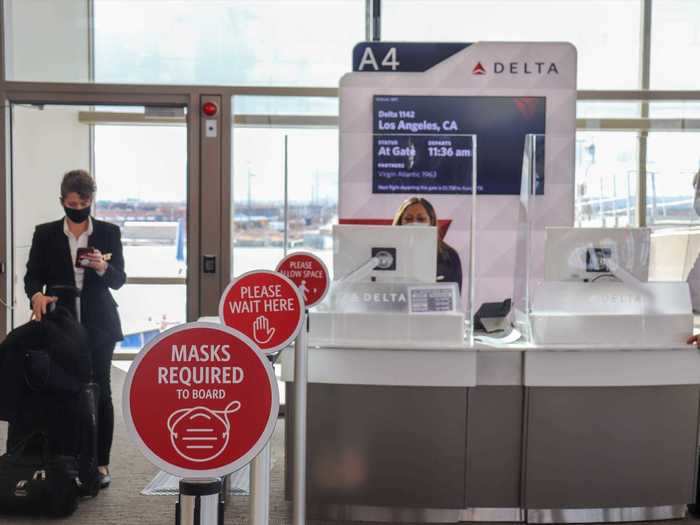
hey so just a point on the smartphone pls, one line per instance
(81, 260)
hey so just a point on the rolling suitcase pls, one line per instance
(87, 427)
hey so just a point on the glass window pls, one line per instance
(257, 233)
(606, 179)
(675, 109)
(313, 191)
(47, 40)
(226, 42)
(673, 159)
(595, 109)
(675, 44)
(145, 194)
(148, 309)
(672, 163)
(141, 174)
(605, 32)
(315, 106)
(259, 224)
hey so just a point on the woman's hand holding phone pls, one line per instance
(95, 260)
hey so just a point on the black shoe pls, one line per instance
(694, 510)
(104, 479)
(88, 490)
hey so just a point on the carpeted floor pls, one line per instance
(122, 503)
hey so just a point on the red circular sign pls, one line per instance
(200, 400)
(309, 273)
(266, 306)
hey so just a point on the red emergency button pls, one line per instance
(209, 109)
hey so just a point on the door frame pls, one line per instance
(23, 93)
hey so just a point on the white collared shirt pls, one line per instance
(75, 243)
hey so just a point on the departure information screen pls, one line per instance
(428, 144)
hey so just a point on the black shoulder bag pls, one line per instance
(34, 482)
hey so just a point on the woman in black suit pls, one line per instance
(52, 261)
(419, 211)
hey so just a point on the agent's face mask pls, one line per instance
(200, 433)
(77, 215)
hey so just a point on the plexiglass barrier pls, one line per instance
(596, 286)
(506, 262)
(528, 272)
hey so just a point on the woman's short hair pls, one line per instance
(410, 202)
(80, 182)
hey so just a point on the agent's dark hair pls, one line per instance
(441, 245)
(80, 182)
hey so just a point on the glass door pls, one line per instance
(138, 156)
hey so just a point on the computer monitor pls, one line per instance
(385, 253)
(588, 254)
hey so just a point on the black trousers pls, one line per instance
(102, 367)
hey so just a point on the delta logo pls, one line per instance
(518, 68)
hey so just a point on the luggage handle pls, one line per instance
(39, 475)
(21, 489)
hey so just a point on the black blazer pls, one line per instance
(50, 263)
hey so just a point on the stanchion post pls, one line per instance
(199, 502)
(273, 332)
(260, 488)
(300, 383)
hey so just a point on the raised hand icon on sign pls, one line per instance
(262, 333)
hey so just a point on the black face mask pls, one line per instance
(77, 216)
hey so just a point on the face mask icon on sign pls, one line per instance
(200, 433)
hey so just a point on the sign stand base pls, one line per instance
(199, 502)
